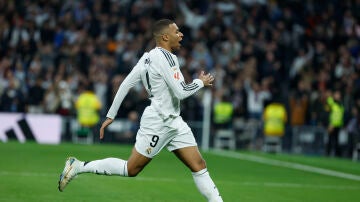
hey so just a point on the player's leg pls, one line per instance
(185, 148)
(136, 163)
(150, 139)
(192, 158)
(111, 166)
(116, 166)
(107, 166)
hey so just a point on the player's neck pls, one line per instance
(164, 46)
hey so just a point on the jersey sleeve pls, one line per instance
(130, 81)
(175, 79)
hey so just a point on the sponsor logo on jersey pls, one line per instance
(177, 75)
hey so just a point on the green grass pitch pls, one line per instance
(30, 172)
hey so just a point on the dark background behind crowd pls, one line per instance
(293, 50)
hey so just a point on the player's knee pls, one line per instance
(133, 172)
(199, 165)
(202, 163)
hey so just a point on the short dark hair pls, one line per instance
(160, 25)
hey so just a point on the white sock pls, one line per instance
(108, 166)
(206, 186)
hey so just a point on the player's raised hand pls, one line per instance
(207, 79)
(107, 122)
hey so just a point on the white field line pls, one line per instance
(285, 164)
(173, 180)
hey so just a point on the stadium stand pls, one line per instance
(287, 49)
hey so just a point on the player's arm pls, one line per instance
(175, 80)
(130, 81)
(107, 122)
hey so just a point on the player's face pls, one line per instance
(175, 36)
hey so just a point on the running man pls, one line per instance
(161, 124)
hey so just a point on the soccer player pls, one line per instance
(161, 124)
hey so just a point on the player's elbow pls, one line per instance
(181, 95)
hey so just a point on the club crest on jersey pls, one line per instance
(177, 75)
(148, 150)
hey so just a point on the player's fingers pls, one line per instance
(101, 133)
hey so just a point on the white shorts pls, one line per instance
(155, 133)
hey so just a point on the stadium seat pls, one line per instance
(272, 144)
(245, 132)
(309, 140)
(356, 152)
(225, 139)
(81, 135)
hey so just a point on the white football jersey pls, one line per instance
(161, 76)
(165, 84)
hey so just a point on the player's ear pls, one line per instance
(165, 37)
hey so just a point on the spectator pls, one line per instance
(51, 99)
(35, 101)
(93, 41)
(88, 107)
(275, 118)
(256, 96)
(353, 130)
(299, 102)
(223, 112)
(300, 61)
(12, 99)
(336, 121)
(66, 101)
(193, 18)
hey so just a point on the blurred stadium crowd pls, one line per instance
(296, 51)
